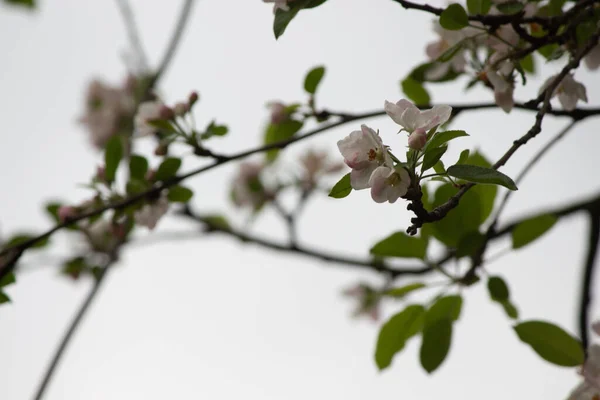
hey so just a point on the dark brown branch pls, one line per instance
(56, 358)
(588, 273)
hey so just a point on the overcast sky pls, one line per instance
(210, 317)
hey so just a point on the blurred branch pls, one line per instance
(588, 272)
(175, 39)
(132, 31)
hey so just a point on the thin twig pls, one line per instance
(132, 32)
(175, 39)
(588, 272)
(71, 331)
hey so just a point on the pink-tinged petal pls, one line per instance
(498, 82)
(379, 185)
(434, 50)
(568, 101)
(504, 99)
(417, 139)
(410, 118)
(592, 59)
(395, 111)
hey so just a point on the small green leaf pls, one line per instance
(498, 289)
(164, 126)
(167, 169)
(532, 229)
(75, 267)
(447, 307)
(342, 188)
(464, 156)
(112, 157)
(395, 332)
(136, 186)
(52, 209)
(528, 63)
(510, 7)
(415, 91)
(432, 157)
(24, 3)
(283, 18)
(443, 137)
(213, 129)
(510, 309)
(138, 167)
(436, 344)
(217, 221)
(473, 173)
(180, 194)
(454, 17)
(400, 292)
(551, 343)
(481, 7)
(4, 298)
(8, 279)
(451, 52)
(469, 244)
(439, 168)
(313, 78)
(278, 133)
(400, 244)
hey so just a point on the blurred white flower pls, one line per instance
(407, 115)
(147, 111)
(569, 91)
(152, 212)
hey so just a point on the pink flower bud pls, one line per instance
(193, 98)
(181, 109)
(417, 139)
(278, 113)
(66, 212)
(166, 112)
(101, 173)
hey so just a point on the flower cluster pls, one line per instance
(374, 166)
(589, 389)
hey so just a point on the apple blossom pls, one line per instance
(278, 112)
(279, 4)
(589, 389)
(569, 91)
(592, 59)
(152, 212)
(388, 184)
(368, 301)
(417, 139)
(247, 188)
(447, 39)
(106, 109)
(498, 72)
(407, 115)
(363, 151)
(180, 109)
(315, 165)
(100, 235)
(148, 111)
(66, 212)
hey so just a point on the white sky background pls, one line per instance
(210, 318)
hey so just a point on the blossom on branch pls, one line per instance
(315, 165)
(247, 188)
(148, 111)
(569, 91)
(152, 212)
(498, 72)
(279, 113)
(447, 40)
(363, 151)
(388, 184)
(407, 115)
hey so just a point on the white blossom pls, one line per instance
(106, 108)
(447, 39)
(278, 112)
(388, 184)
(499, 73)
(247, 187)
(407, 115)
(569, 91)
(315, 165)
(279, 4)
(147, 111)
(363, 151)
(592, 59)
(152, 212)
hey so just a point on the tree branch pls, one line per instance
(588, 272)
(132, 31)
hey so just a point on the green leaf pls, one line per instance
(532, 229)
(395, 332)
(52, 209)
(8, 279)
(283, 18)
(138, 167)
(112, 157)
(464, 155)
(4, 298)
(473, 173)
(213, 129)
(400, 292)
(454, 17)
(313, 78)
(415, 91)
(498, 289)
(75, 267)
(528, 63)
(24, 3)
(447, 307)
(510, 7)
(439, 168)
(167, 169)
(218, 221)
(180, 194)
(278, 133)
(551, 343)
(400, 244)
(549, 51)
(436, 344)
(510, 309)
(164, 126)
(342, 188)
(451, 52)
(432, 157)
(481, 7)
(469, 244)
(443, 137)
(136, 186)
